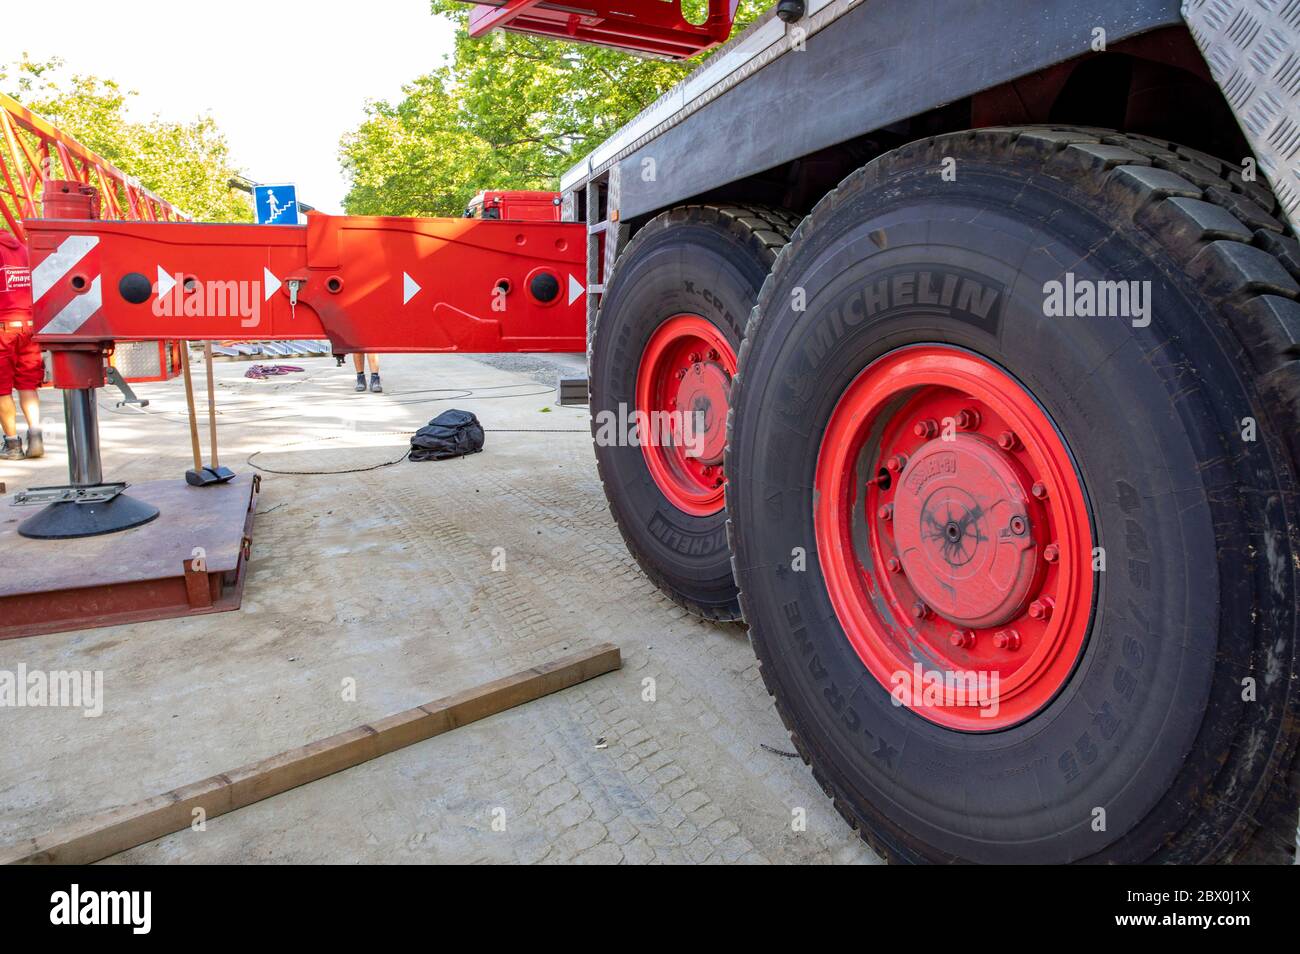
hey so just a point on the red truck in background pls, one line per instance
(519, 205)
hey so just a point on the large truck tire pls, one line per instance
(934, 472)
(665, 343)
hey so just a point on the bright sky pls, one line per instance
(283, 78)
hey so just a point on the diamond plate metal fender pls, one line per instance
(1253, 51)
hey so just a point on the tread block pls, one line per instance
(1051, 140)
(1269, 327)
(1097, 157)
(1282, 247)
(1229, 268)
(1244, 208)
(1280, 388)
(1205, 160)
(1181, 220)
(1145, 184)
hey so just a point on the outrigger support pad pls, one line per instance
(87, 506)
(86, 512)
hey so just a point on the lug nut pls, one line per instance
(1008, 440)
(896, 463)
(1039, 490)
(713, 354)
(886, 512)
(927, 428)
(1051, 553)
(893, 565)
(1041, 609)
(920, 610)
(962, 638)
(681, 374)
(967, 419)
(695, 357)
(1007, 639)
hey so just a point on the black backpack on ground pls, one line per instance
(451, 434)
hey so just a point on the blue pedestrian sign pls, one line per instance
(276, 204)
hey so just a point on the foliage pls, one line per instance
(187, 163)
(510, 111)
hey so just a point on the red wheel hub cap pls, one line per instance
(683, 392)
(955, 538)
(964, 531)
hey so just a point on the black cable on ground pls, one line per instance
(321, 473)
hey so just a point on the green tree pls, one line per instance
(510, 111)
(187, 163)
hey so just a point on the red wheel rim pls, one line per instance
(955, 538)
(683, 390)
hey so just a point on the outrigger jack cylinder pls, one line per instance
(87, 506)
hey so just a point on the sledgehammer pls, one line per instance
(202, 476)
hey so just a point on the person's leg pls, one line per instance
(31, 403)
(359, 362)
(12, 448)
(375, 386)
(8, 415)
(29, 371)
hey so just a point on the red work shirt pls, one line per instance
(15, 283)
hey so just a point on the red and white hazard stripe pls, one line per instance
(49, 291)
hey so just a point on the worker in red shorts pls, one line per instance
(21, 366)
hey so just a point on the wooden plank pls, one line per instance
(121, 828)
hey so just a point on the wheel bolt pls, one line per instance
(713, 354)
(886, 512)
(1007, 639)
(1039, 490)
(962, 638)
(896, 463)
(695, 357)
(1041, 609)
(893, 565)
(920, 610)
(967, 419)
(927, 428)
(1008, 440)
(1018, 526)
(681, 374)
(1051, 553)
